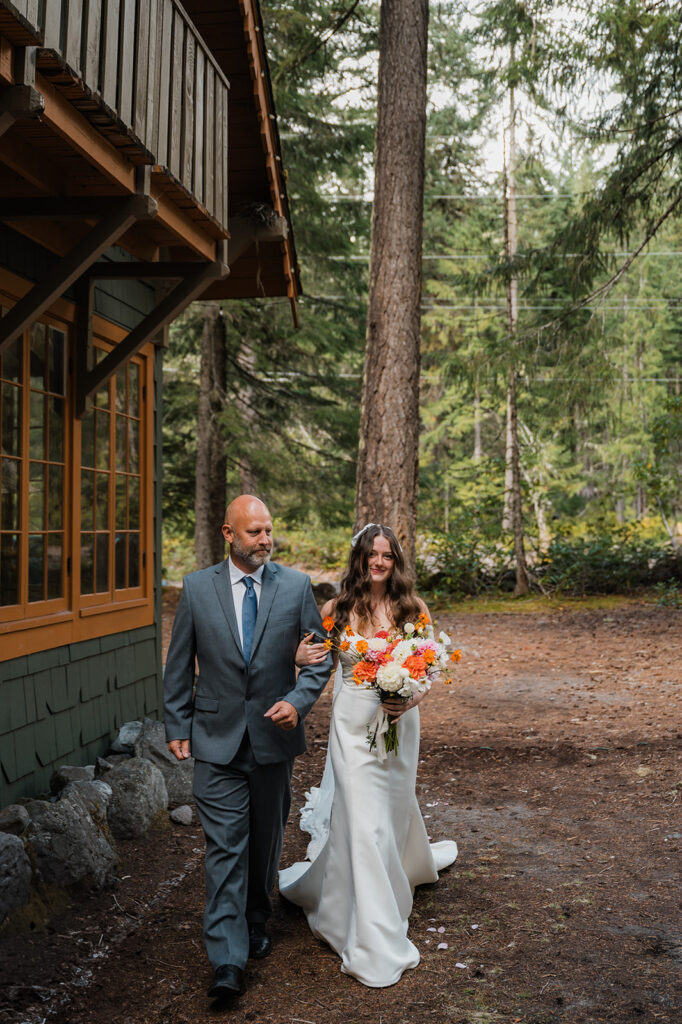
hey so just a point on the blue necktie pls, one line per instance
(249, 613)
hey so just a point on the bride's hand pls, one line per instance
(396, 707)
(308, 653)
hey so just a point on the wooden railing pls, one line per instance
(147, 68)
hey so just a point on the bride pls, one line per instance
(369, 847)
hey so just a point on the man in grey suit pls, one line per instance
(243, 620)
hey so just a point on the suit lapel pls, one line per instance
(223, 586)
(267, 595)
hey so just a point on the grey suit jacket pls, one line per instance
(232, 696)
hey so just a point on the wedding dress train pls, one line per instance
(369, 846)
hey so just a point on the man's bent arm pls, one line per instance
(312, 679)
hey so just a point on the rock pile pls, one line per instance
(68, 839)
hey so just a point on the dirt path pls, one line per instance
(555, 760)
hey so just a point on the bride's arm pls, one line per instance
(308, 651)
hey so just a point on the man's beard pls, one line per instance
(253, 557)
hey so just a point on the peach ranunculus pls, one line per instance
(328, 623)
(416, 666)
(364, 672)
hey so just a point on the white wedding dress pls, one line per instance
(369, 846)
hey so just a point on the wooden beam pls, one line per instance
(108, 270)
(244, 232)
(18, 103)
(58, 207)
(168, 308)
(70, 268)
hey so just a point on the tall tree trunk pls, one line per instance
(246, 400)
(210, 495)
(478, 444)
(389, 428)
(513, 506)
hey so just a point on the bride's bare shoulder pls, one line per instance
(328, 608)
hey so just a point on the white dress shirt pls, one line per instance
(238, 590)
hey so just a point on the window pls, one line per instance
(32, 469)
(111, 483)
(76, 495)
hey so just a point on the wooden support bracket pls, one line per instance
(244, 232)
(196, 278)
(67, 270)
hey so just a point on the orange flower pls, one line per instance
(328, 623)
(328, 644)
(429, 656)
(344, 645)
(362, 646)
(416, 666)
(348, 631)
(365, 672)
(456, 656)
(447, 681)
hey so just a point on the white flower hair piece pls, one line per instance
(368, 526)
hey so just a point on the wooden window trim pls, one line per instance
(75, 617)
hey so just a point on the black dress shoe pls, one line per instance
(260, 943)
(228, 980)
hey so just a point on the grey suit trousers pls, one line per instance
(243, 807)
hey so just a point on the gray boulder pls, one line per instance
(139, 793)
(178, 775)
(68, 847)
(95, 795)
(15, 874)
(182, 815)
(125, 741)
(67, 773)
(14, 819)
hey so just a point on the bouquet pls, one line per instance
(395, 663)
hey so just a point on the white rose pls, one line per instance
(391, 677)
(402, 650)
(377, 644)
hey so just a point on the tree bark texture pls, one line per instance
(210, 493)
(389, 429)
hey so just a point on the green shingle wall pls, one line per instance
(66, 705)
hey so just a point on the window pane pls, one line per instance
(38, 363)
(56, 414)
(87, 563)
(133, 502)
(121, 403)
(102, 501)
(36, 567)
(37, 430)
(11, 435)
(87, 500)
(10, 472)
(88, 439)
(9, 568)
(36, 496)
(103, 448)
(102, 562)
(121, 438)
(10, 361)
(133, 434)
(121, 509)
(133, 560)
(57, 361)
(102, 396)
(55, 580)
(121, 560)
(55, 497)
(134, 389)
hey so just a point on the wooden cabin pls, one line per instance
(140, 170)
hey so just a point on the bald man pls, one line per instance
(243, 620)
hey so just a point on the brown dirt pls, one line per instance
(555, 760)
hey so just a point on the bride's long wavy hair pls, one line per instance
(356, 584)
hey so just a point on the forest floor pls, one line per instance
(554, 760)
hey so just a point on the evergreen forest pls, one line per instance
(551, 300)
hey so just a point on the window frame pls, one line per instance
(33, 626)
